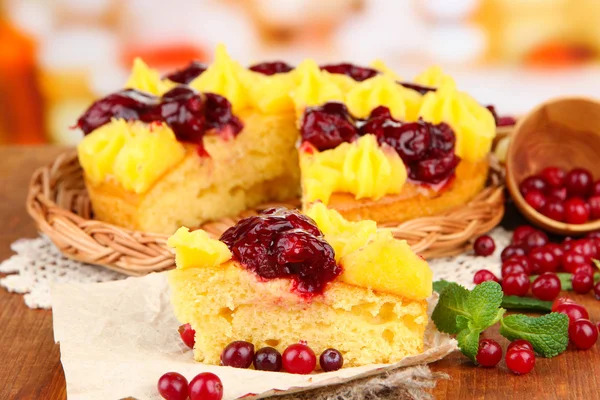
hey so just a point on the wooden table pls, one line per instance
(30, 360)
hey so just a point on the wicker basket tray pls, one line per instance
(59, 204)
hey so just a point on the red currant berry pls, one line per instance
(594, 203)
(206, 386)
(187, 335)
(596, 188)
(521, 232)
(553, 176)
(576, 211)
(535, 199)
(557, 193)
(533, 183)
(554, 209)
(543, 259)
(584, 269)
(536, 239)
(557, 250)
(511, 251)
(515, 284)
(512, 266)
(489, 353)
(579, 183)
(573, 311)
(299, 359)
(520, 344)
(571, 260)
(238, 354)
(331, 360)
(173, 386)
(484, 275)
(267, 359)
(597, 291)
(587, 247)
(546, 286)
(484, 246)
(582, 283)
(583, 334)
(520, 360)
(560, 301)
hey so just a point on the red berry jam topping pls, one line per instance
(271, 68)
(267, 359)
(282, 243)
(355, 72)
(173, 386)
(419, 88)
(188, 73)
(501, 120)
(187, 335)
(206, 386)
(331, 360)
(328, 126)
(190, 114)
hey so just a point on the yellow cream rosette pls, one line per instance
(435, 77)
(147, 79)
(314, 87)
(197, 249)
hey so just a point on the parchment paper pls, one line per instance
(117, 339)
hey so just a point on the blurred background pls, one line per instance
(57, 56)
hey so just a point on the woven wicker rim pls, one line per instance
(60, 206)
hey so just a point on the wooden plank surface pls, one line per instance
(31, 369)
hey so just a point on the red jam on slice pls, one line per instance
(271, 68)
(355, 72)
(328, 126)
(188, 73)
(282, 243)
(419, 88)
(188, 113)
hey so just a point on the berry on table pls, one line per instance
(267, 359)
(576, 211)
(512, 250)
(582, 282)
(573, 311)
(484, 246)
(489, 353)
(543, 259)
(331, 360)
(515, 284)
(597, 291)
(238, 354)
(513, 267)
(521, 232)
(299, 359)
(587, 247)
(546, 286)
(560, 301)
(484, 275)
(173, 386)
(187, 335)
(522, 261)
(571, 260)
(520, 360)
(520, 343)
(584, 269)
(536, 239)
(206, 386)
(583, 334)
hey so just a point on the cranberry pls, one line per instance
(206, 386)
(187, 74)
(299, 359)
(556, 250)
(331, 360)
(543, 259)
(271, 68)
(560, 301)
(520, 344)
(489, 353)
(516, 264)
(328, 126)
(187, 335)
(357, 73)
(546, 286)
(554, 209)
(484, 275)
(571, 260)
(579, 183)
(594, 203)
(281, 243)
(173, 386)
(573, 311)
(533, 183)
(520, 360)
(553, 176)
(582, 282)
(583, 334)
(596, 188)
(267, 359)
(576, 211)
(238, 354)
(535, 199)
(587, 247)
(516, 284)
(597, 290)
(511, 251)
(535, 239)
(555, 193)
(521, 232)
(484, 246)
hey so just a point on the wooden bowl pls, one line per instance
(563, 132)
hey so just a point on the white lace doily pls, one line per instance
(38, 263)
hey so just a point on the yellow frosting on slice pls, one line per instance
(147, 79)
(382, 67)
(314, 87)
(197, 249)
(363, 168)
(472, 123)
(271, 94)
(134, 154)
(434, 76)
(381, 90)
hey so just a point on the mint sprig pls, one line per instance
(525, 303)
(547, 334)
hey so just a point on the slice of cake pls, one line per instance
(282, 277)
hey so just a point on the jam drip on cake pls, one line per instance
(271, 68)
(282, 243)
(188, 113)
(188, 73)
(426, 149)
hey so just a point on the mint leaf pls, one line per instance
(439, 286)
(483, 305)
(525, 303)
(468, 342)
(548, 334)
(451, 304)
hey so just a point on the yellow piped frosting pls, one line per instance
(435, 77)
(472, 123)
(382, 67)
(133, 154)
(197, 249)
(314, 87)
(381, 90)
(147, 79)
(363, 168)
